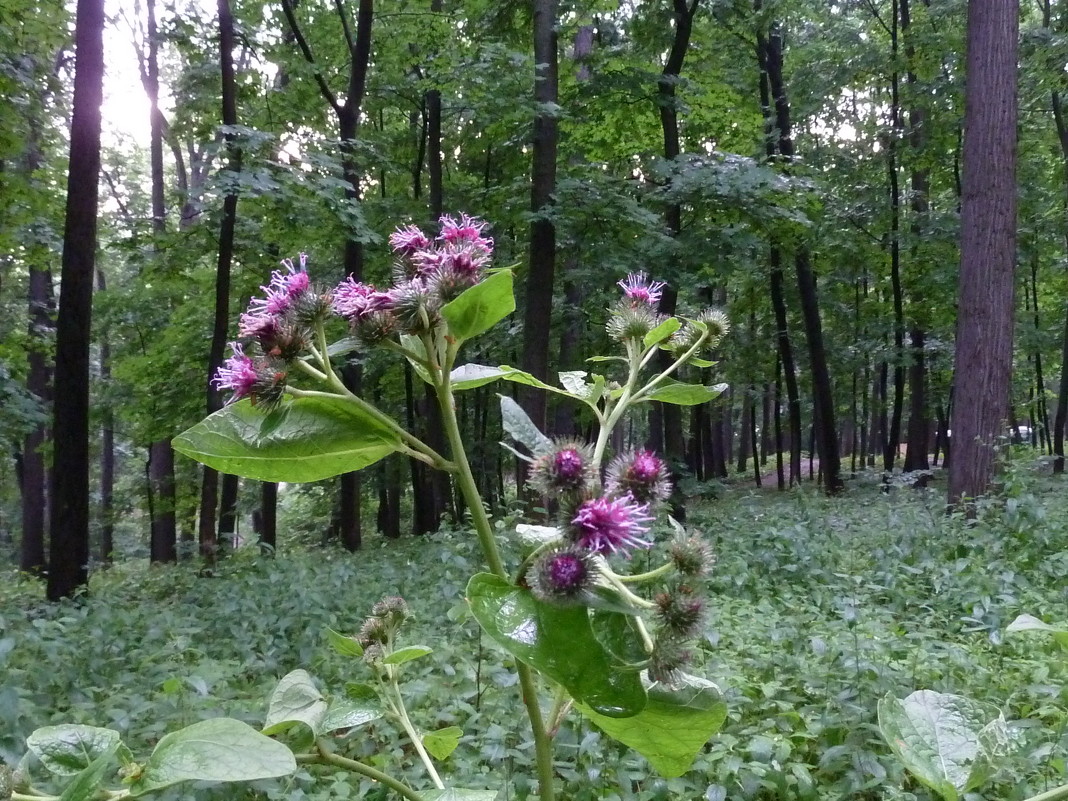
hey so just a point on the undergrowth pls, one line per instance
(819, 608)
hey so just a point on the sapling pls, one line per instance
(585, 629)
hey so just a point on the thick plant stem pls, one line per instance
(1056, 794)
(466, 479)
(324, 757)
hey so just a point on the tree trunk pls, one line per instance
(983, 359)
(538, 307)
(34, 482)
(268, 517)
(209, 493)
(107, 448)
(69, 525)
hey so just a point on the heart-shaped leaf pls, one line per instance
(1032, 623)
(674, 726)
(217, 750)
(69, 749)
(681, 394)
(295, 700)
(348, 713)
(443, 742)
(521, 428)
(556, 641)
(306, 439)
(346, 646)
(938, 737)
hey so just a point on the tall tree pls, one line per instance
(541, 271)
(69, 526)
(983, 358)
(358, 45)
(209, 493)
(164, 532)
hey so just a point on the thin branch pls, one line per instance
(345, 25)
(878, 17)
(305, 49)
(123, 208)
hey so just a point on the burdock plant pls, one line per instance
(586, 631)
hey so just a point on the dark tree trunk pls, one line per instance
(1041, 411)
(164, 536)
(537, 311)
(34, 482)
(1060, 418)
(209, 493)
(107, 448)
(789, 371)
(983, 361)
(348, 117)
(69, 525)
(268, 515)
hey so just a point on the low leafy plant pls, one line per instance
(609, 643)
(954, 744)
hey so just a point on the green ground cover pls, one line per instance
(818, 609)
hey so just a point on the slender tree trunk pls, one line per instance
(983, 362)
(541, 276)
(69, 525)
(107, 448)
(209, 493)
(34, 482)
(268, 517)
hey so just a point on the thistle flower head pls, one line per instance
(641, 474)
(408, 239)
(283, 289)
(692, 557)
(609, 525)
(393, 609)
(567, 467)
(355, 300)
(466, 231)
(374, 631)
(563, 575)
(669, 660)
(415, 306)
(238, 373)
(717, 323)
(638, 290)
(374, 327)
(680, 610)
(632, 322)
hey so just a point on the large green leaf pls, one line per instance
(217, 750)
(521, 428)
(481, 307)
(349, 713)
(940, 738)
(470, 376)
(684, 394)
(69, 749)
(306, 439)
(673, 727)
(557, 641)
(295, 700)
(662, 331)
(1032, 623)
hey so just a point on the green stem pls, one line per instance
(27, 797)
(324, 354)
(613, 416)
(528, 688)
(618, 584)
(649, 575)
(324, 757)
(397, 702)
(648, 388)
(1056, 794)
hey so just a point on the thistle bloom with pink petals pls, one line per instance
(238, 373)
(610, 525)
(283, 289)
(639, 290)
(466, 230)
(408, 239)
(354, 300)
(641, 474)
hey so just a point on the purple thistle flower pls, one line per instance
(639, 290)
(354, 300)
(238, 373)
(641, 474)
(283, 289)
(562, 575)
(568, 467)
(609, 525)
(466, 230)
(407, 240)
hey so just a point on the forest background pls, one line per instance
(797, 163)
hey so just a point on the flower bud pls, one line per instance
(680, 610)
(691, 557)
(632, 323)
(416, 308)
(393, 610)
(669, 660)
